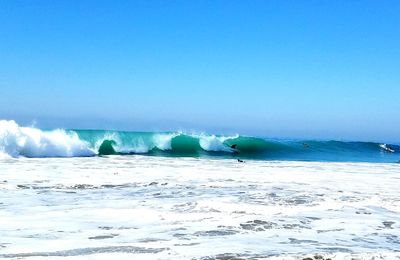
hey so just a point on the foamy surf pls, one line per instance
(32, 142)
(148, 207)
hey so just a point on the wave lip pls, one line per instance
(212, 143)
(32, 142)
(164, 141)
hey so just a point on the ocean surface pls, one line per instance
(16, 141)
(74, 194)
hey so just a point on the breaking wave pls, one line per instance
(18, 141)
(32, 142)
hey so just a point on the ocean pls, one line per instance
(97, 194)
(16, 141)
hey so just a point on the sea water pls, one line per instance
(185, 206)
(31, 142)
(181, 208)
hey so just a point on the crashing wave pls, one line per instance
(32, 142)
(18, 141)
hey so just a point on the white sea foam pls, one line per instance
(214, 143)
(138, 207)
(32, 142)
(139, 146)
(163, 141)
(386, 148)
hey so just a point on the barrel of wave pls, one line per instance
(181, 144)
(255, 147)
(107, 142)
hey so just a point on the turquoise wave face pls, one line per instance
(18, 141)
(243, 147)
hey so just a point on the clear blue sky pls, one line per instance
(323, 69)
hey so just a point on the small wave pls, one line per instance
(106, 144)
(107, 147)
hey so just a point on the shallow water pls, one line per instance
(181, 208)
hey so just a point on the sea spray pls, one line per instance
(32, 142)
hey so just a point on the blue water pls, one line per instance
(244, 147)
(32, 142)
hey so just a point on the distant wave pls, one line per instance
(18, 141)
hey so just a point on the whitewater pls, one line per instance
(96, 194)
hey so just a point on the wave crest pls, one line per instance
(32, 142)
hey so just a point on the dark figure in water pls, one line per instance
(234, 148)
(306, 145)
(236, 151)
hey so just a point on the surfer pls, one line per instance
(306, 145)
(386, 148)
(234, 148)
(236, 151)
